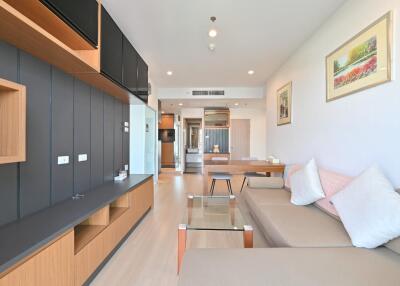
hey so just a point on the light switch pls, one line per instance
(82, 157)
(62, 160)
(126, 129)
(126, 124)
(126, 167)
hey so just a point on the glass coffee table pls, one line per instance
(212, 213)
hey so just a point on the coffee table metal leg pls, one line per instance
(182, 235)
(248, 236)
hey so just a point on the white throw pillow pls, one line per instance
(306, 186)
(369, 208)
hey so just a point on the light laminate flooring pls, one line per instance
(149, 255)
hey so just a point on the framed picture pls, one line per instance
(362, 62)
(284, 104)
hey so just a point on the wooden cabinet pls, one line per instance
(12, 122)
(167, 121)
(130, 66)
(111, 48)
(167, 154)
(82, 16)
(51, 266)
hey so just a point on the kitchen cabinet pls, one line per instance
(130, 66)
(82, 16)
(143, 85)
(111, 48)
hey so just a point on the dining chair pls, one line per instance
(250, 174)
(221, 177)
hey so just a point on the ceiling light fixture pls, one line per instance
(212, 33)
(211, 46)
(250, 72)
(236, 103)
(180, 104)
(169, 72)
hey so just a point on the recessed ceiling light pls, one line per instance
(169, 72)
(211, 47)
(212, 33)
(236, 103)
(180, 104)
(250, 72)
(163, 111)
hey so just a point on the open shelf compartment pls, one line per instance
(86, 231)
(119, 206)
(12, 122)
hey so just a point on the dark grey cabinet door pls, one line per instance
(97, 138)
(62, 135)
(8, 172)
(118, 126)
(111, 48)
(143, 86)
(35, 172)
(108, 138)
(130, 66)
(81, 137)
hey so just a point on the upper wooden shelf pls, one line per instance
(12, 122)
(44, 41)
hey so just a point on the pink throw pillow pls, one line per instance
(331, 184)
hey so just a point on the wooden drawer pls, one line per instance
(52, 266)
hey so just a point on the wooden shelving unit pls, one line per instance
(35, 30)
(12, 122)
(116, 212)
(86, 231)
(119, 207)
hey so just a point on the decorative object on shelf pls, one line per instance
(284, 104)
(362, 62)
(273, 160)
(216, 149)
(12, 122)
(123, 174)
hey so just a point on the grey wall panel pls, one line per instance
(108, 138)
(118, 110)
(8, 193)
(62, 134)
(8, 172)
(125, 137)
(35, 172)
(81, 136)
(97, 138)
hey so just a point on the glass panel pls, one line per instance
(213, 213)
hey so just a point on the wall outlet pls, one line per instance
(126, 167)
(62, 160)
(126, 129)
(126, 124)
(82, 157)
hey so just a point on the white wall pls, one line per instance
(348, 134)
(257, 129)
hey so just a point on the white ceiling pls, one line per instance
(172, 105)
(253, 34)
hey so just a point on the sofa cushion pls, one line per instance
(290, 267)
(265, 182)
(258, 197)
(300, 226)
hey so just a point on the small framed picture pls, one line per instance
(362, 62)
(284, 104)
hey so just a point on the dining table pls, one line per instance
(238, 167)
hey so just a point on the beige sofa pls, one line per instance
(309, 248)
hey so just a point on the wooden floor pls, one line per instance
(149, 255)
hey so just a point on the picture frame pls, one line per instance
(284, 104)
(362, 62)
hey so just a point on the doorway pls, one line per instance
(193, 149)
(240, 139)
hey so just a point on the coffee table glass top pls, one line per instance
(213, 213)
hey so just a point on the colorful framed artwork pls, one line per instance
(284, 104)
(362, 62)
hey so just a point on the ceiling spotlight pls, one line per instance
(236, 103)
(162, 111)
(212, 33)
(169, 72)
(180, 104)
(250, 72)
(211, 46)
